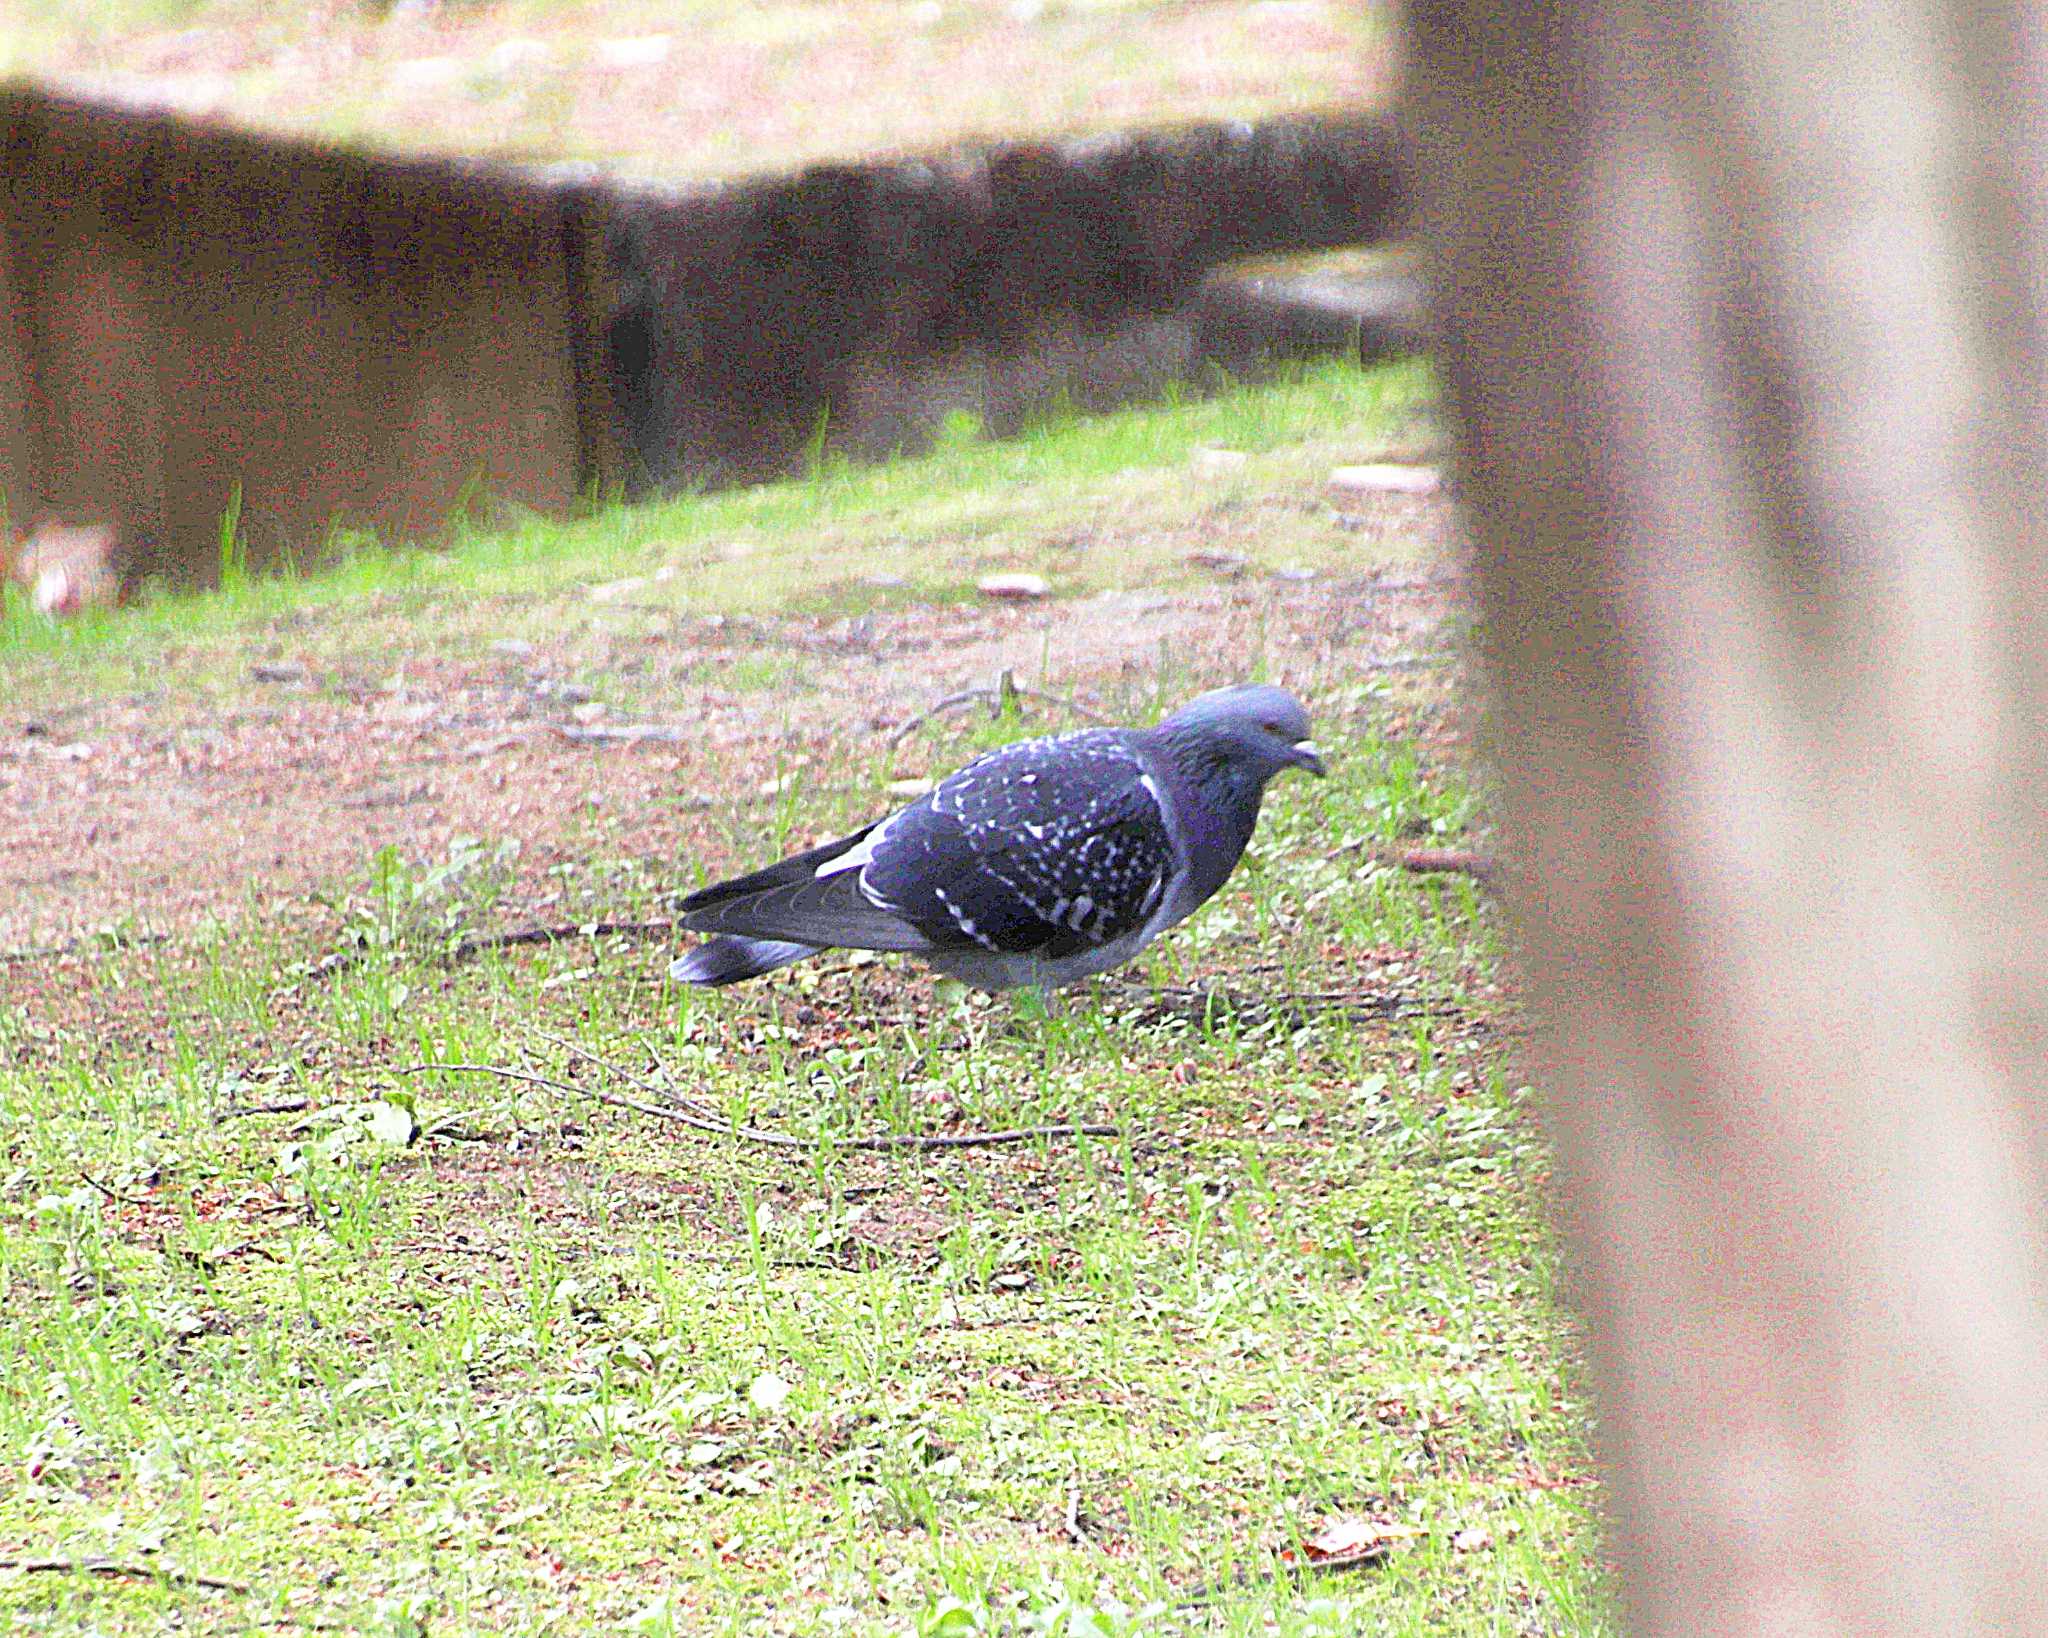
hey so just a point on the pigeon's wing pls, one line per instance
(813, 898)
(1047, 848)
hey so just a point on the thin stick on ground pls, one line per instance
(684, 1117)
(1209, 1591)
(1428, 861)
(113, 1194)
(900, 1140)
(1075, 1533)
(697, 1120)
(476, 944)
(85, 944)
(115, 1568)
(1195, 1001)
(1006, 688)
(276, 1106)
(559, 933)
(1459, 861)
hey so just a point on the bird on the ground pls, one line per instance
(1039, 864)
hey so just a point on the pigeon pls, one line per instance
(1039, 864)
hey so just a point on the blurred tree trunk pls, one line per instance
(1742, 317)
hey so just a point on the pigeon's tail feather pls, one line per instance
(823, 911)
(727, 960)
(801, 867)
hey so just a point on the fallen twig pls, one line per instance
(1075, 1533)
(561, 932)
(898, 1140)
(454, 1248)
(1210, 1591)
(213, 1259)
(1446, 860)
(1006, 689)
(113, 1194)
(1195, 1002)
(685, 1117)
(627, 733)
(702, 1122)
(277, 1106)
(100, 943)
(1428, 861)
(474, 944)
(113, 1567)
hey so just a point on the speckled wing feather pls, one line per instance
(1046, 848)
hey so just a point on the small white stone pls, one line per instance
(518, 53)
(426, 73)
(635, 51)
(1217, 463)
(1384, 478)
(1019, 588)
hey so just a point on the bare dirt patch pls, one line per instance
(157, 811)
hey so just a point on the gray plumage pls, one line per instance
(1041, 863)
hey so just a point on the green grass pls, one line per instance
(1088, 501)
(443, 1352)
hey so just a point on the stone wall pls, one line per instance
(873, 300)
(197, 313)
(344, 338)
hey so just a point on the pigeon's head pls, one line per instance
(1259, 728)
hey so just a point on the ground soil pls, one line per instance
(154, 812)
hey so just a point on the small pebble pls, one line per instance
(518, 53)
(426, 73)
(1384, 478)
(641, 51)
(611, 590)
(1020, 588)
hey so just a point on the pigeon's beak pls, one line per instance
(1308, 754)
